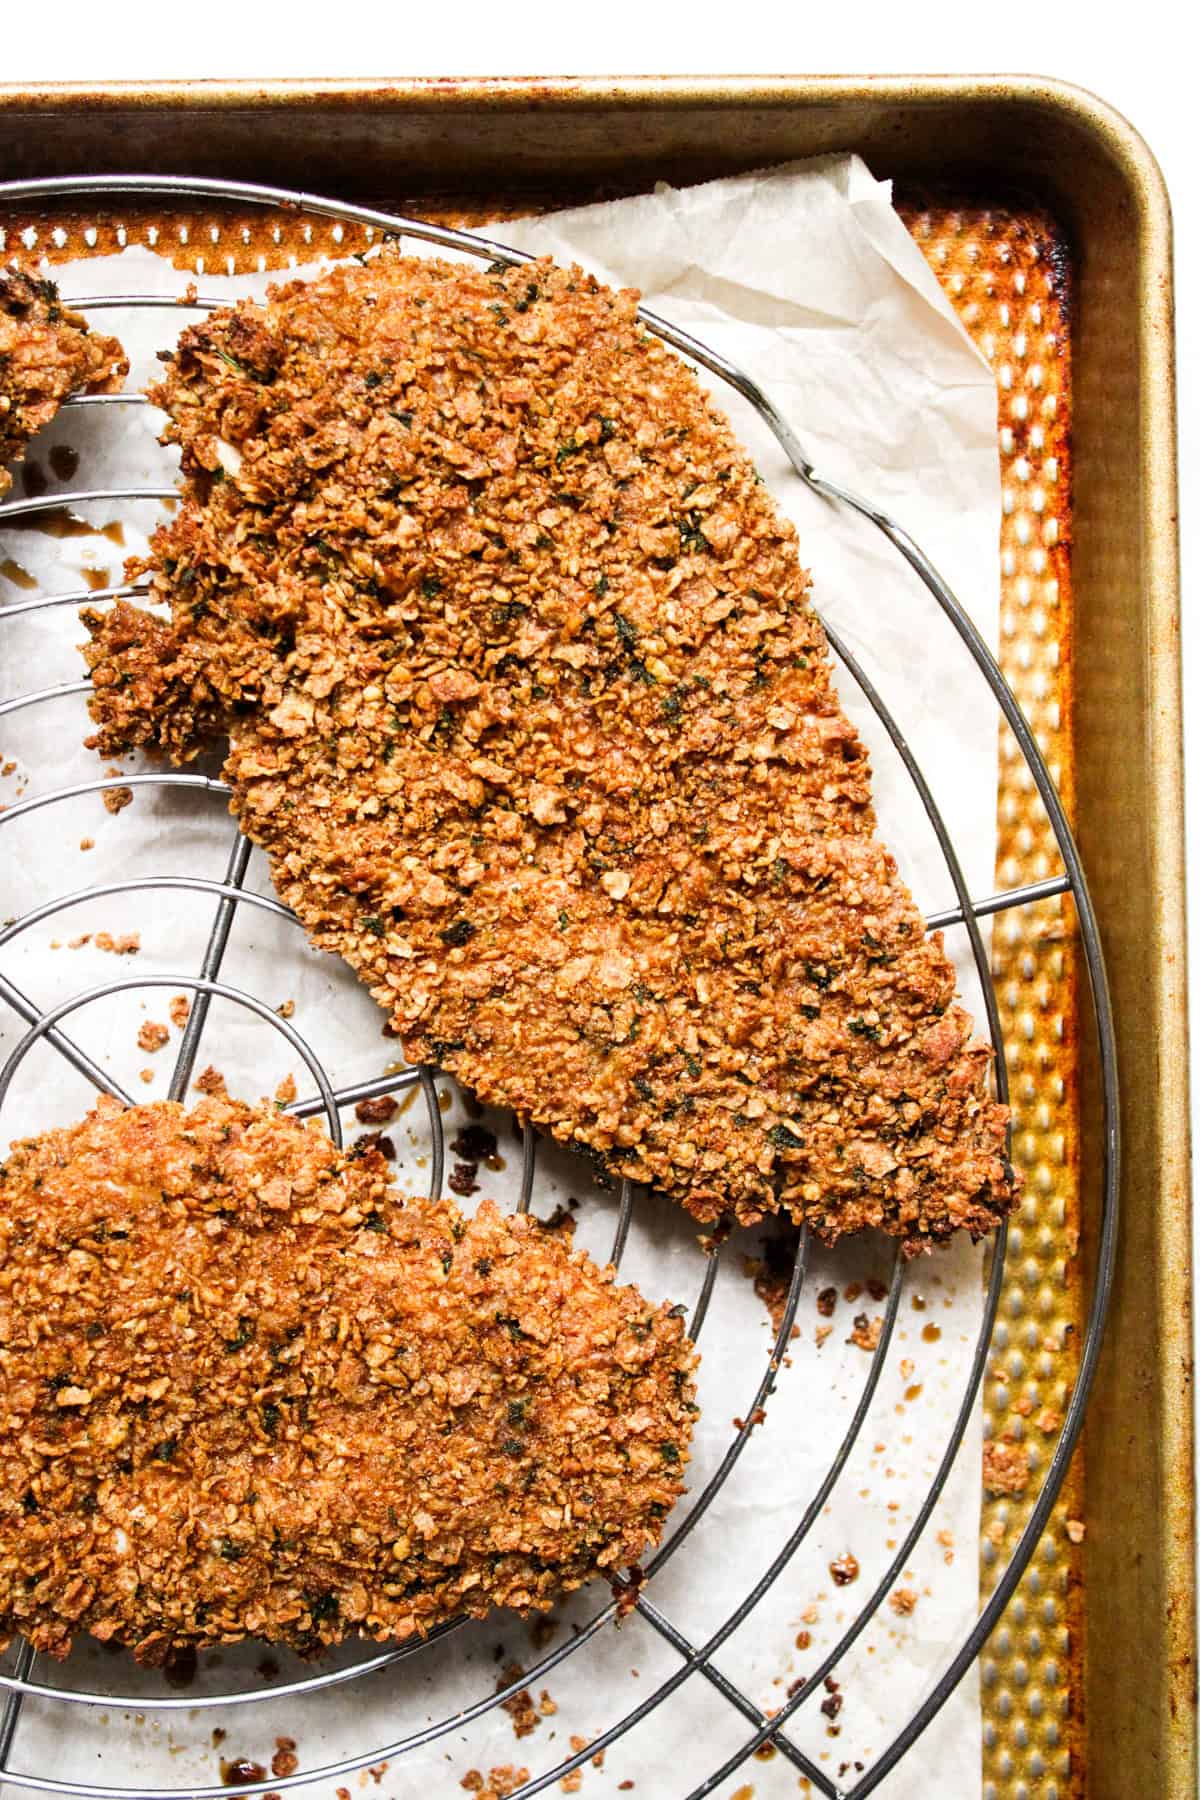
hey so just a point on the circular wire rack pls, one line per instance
(27, 1678)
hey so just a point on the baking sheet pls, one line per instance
(809, 279)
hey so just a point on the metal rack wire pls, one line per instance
(52, 1026)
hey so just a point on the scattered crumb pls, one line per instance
(117, 799)
(822, 1332)
(571, 1784)
(844, 1569)
(462, 1180)
(803, 1640)
(286, 1008)
(902, 1602)
(87, 843)
(127, 945)
(285, 1093)
(375, 1140)
(498, 1783)
(1023, 1405)
(867, 1332)
(810, 1615)
(1076, 1530)
(77, 943)
(771, 1274)
(474, 1143)
(209, 1081)
(826, 1301)
(152, 1036)
(852, 1290)
(877, 1289)
(180, 1010)
(8, 769)
(832, 1705)
(995, 1531)
(745, 1792)
(1005, 1467)
(519, 1706)
(546, 1706)
(1048, 1420)
(147, 1075)
(377, 1771)
(375, 1112)
(285, 1761)
(946, 1540)
(907, 1366)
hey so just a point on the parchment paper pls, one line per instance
(807, 277)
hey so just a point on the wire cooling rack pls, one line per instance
(52, 1026)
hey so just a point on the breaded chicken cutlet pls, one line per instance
(46, 354)
(526, 702)
(250, 1390)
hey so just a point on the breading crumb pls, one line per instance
(151, 1035)
(519, 1706)
(1076, 1530)
(377, 1111)
(87, 843)
(209, 1081)
(117, 799)
(1005, 1466)
(180, 1010)
(147, 1075)
(902, 1601)
(127, 944)
(867, 1332)
(286, 1008)
(499, 1783)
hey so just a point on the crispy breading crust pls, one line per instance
(46, 353)
(247, 1389)
(527, 704)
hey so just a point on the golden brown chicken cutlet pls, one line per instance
(527, 703)
(46, 354)
(248, 1389)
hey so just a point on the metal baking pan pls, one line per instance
(967, 154)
